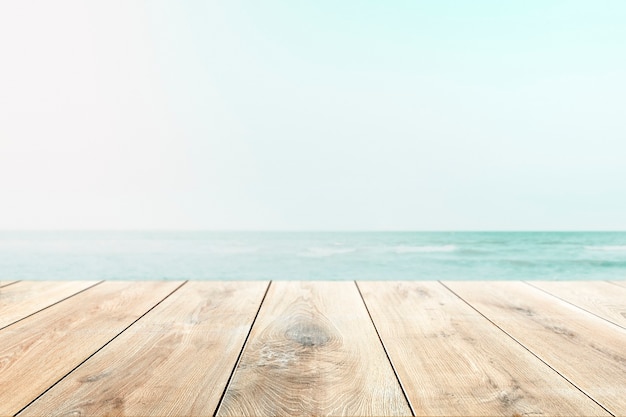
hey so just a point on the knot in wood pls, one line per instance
(308, 334)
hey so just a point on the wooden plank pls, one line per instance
(39, 350)
(6, 283)
(453, 362)
(27, 297)
(619, 283)
(587, 350)
(598, 297)
(176, 360)
(313, 351)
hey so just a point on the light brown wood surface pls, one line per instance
(313, 351)
(598, 297)
(176, 360)
(39, 350)
(27, 297)
(5, 283)
(619, 283)
(587, 350)
(453, 362)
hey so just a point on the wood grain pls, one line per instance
(39, 350)
(27, 297)
(453, 362)
(587, 350)
(598, 297)
(176, 360)
(313, 351)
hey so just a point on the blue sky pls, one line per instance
(288, 115)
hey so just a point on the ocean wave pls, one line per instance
(422, 249)
(607, 248)
(232, 250)
(322, 252)
(472, 251)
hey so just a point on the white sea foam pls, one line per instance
(607, 248)
(322, 252)
(429, 248)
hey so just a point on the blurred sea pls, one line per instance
(313, 255)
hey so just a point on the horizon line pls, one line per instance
(207, 230)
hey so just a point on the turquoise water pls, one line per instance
(312, 256)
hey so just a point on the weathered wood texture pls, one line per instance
(453, 362)
(176, 360)
(27, 297)
(39, 350)
(313, 351)
(587, 350)
(598, 297)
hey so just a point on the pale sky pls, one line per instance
(313, 115)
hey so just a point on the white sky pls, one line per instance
(400, 115)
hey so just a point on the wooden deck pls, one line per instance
(313, 348)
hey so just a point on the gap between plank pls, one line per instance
(617, 283)
(10, 283)
(526, 348)
(577, 306)
(245, 342)
(53, 304)
(99, 349)
(406, 398)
